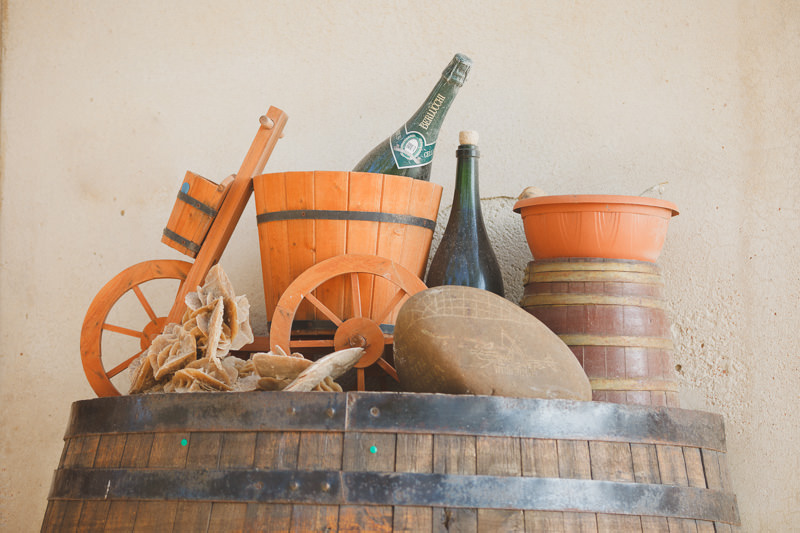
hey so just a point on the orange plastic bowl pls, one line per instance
(595, 225)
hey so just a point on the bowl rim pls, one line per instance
(595, 199)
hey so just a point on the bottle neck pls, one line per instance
(467, 191)
(429, 117)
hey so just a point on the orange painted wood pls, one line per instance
(190, 222)
(285, 252)
(358, 329)
(231, 210)
(95, 322)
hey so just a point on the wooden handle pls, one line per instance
(231, 210)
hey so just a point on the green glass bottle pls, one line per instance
(409, 151)
(465, 255)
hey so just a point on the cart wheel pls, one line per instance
(95, 323)
(356, 326)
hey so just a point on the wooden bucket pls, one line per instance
(194, 211)
(277, 461)
(306, 217)
(610, 312)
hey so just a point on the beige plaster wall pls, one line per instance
(105, 105)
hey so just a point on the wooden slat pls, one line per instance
(580, 522)
(454, 454)
(414, 453)
(227, 516)
(645, 463)
(268, 517)
(168, 450)
(121, 516)
(367, 452)
(192, 516)
(277, 450)
(94, 514)
(331, 192)
(655, 524)
(137, 450)
(671, 465)
(711, 469)
(110, 450)
(611, 461)
(273, 239)
(318, 451)
(681, 525)
(617, 523)
(550, 521)
(238, 450)
(573, 459)
(366, 191)
(539, 457)
(694, 467)
(499, 456)
(301, 234)
(204, 448)
(155, 516)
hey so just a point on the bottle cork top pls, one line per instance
(468, 137)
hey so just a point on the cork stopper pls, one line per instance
(468, 137)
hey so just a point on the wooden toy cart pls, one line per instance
(340, 254)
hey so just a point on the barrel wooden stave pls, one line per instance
(611, 314)
(386, 472)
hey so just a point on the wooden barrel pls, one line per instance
(611, 313)
(276, 461)
(194, 211)
(306, 217)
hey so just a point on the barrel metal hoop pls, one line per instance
(395, 488)
(367, 216)
(183, 241)
(557, 299)
(197, 204)
(606, 266)
(633, 384)
(617, 340)
(594, 276)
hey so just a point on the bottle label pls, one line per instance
(410, 149)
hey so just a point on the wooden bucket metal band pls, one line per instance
(197, 204)
(564, 298)
(400, 489)
(628, 384)
(399, 413)
(617, 340)
(183, 241)
(368, 216)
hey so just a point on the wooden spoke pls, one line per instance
(356, 292)
(147, 307)
(355, 329)
(123, 365)
(393, 304)
(324, 308)
(94, 323)
(124, 331)
(389, 369)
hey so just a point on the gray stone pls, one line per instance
(462, 340)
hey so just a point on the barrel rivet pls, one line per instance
(291, 411)
(325, 486)
(294, 485)
(330, 412)
(374, 411)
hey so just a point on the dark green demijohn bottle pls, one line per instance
(409, 151)
(465, 256)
